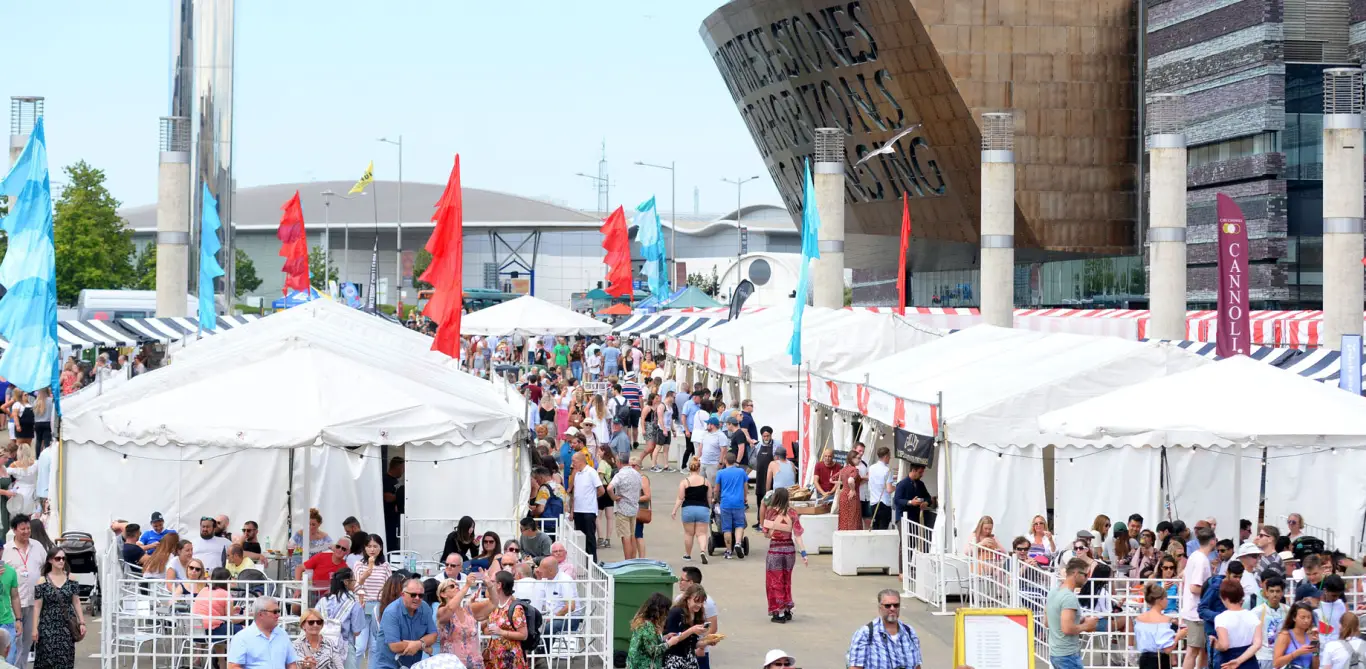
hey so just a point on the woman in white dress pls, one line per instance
(602, 430)
(24, 471)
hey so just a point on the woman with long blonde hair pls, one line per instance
(602, 431)
(1040, 539)
(983, 536)
(24, 472)
(1101, 528)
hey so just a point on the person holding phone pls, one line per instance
(1065, 623)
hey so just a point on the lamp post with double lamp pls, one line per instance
(398, 230)
(673, 217)
(327, 235)
(739, 214)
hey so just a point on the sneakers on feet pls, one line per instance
(727, 555)
(688, 558)
(777, 618)
(703, 554)
(787, 615)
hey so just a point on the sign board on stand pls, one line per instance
(1350, 379)
(996, 638)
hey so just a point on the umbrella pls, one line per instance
(617, 309)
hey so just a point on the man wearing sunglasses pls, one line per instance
(408, 626)
(324, 565)
(263, 644)
(886, 642)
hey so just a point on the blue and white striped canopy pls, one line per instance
(1319, 364)
(135, 331)
(667, 325)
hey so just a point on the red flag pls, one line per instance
(901, 264)
(617, 243)
(293, 245)
(447, 246)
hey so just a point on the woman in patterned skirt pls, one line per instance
(850, 512)
(55, 604)
(784, 532)
(506, 626)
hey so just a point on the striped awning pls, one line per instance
(1318, 364)
(135, 331)
(667, 325)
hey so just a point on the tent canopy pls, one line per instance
(296, 298)
(617, 309)
(689, 297)
(528, 315)
(1219, 404)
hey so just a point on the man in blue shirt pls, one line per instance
(689, 408)
(729, 491)
(150, 538)
(747, 421)
(263, 645)
(621, 442)
(611, 356)
(407, 626)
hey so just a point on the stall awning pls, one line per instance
(667, 325)
(134, 331)
(1318, 364)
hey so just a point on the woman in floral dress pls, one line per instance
(851, 512)
(55, 603)
(506, 626)
(457, 631)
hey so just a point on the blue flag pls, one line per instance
(650, 236)
(209, 269)
(28, 311)
(811, 228)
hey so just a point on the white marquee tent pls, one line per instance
(982, 389)
(530, 316)
(212, 432)
(1314, 436)
(752, 354)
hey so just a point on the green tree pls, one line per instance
(320, 278)
(420, 263)
(244, 270)
(94, 246)
(707, 284)
(145, 268)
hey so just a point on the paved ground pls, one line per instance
(829, 607)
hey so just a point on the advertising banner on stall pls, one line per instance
(1234, 337)
(916, 449)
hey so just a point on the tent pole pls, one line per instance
(1237, 484)
(308, 497)
(950, 524)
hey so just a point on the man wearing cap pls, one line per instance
(1248, 554)
(621, 442)
(152, 537)
(713, 445)
(778, 658)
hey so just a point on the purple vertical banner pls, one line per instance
(1234, 337)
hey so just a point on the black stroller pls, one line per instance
(83, 564)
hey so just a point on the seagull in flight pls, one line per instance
(889, 146)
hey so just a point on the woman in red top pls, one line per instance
(784, 532)
(825, 474)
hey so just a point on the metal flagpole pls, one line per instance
(372, 300)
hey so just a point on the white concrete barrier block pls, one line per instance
(818, 531)
(866, 551)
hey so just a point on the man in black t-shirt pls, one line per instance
(131, 552)
(739, 440)
(393, 502)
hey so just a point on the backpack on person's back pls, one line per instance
(1356, 659)
(534, 621)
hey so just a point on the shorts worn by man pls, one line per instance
(714, 443)
(730, 487)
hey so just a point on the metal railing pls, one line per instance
(427, 536)
(923, 567)
(584, 637)
(998, 580)
(153, 620)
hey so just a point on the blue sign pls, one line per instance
(1350, 364)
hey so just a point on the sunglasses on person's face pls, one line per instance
(187, 568)
(893, 605)
(414, 595)
(1264, 534)
(340, 547)
(1022, 549)
(62, 558)
(313, 623)
(781, 663)
(452, 565)
(514, 549)
(271, 611)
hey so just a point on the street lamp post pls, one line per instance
(739, 232)
(398, 229)
(673, 217)
(346, 243)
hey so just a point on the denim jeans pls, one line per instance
(576, 368)
(1066, 661)
(18, 650)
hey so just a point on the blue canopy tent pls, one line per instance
(295, 298)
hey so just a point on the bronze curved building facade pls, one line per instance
(874, 68)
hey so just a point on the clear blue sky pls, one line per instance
(524, 90)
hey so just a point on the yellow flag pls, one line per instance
(365, 179)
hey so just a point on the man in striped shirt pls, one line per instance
(631, 391)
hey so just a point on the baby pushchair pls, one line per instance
(718, 538)
(83, 564)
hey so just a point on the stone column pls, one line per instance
(998, 219)
(827, 272)
(1342, 204)
(173, 218)
(1167, 217)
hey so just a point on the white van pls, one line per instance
(109, 304)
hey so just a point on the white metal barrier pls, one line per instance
(926, 574)
(152, 620)
(1330, 538)
(583, 638)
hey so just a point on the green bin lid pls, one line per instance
(641, 572)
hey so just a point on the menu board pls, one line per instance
(994, 639)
